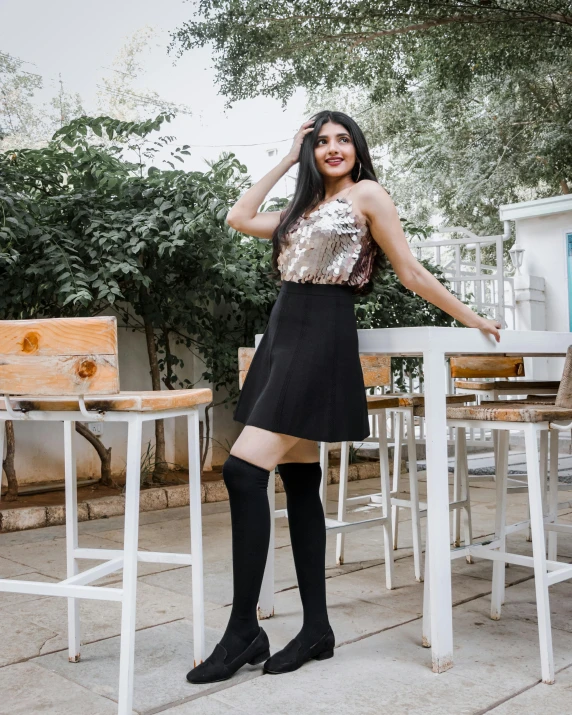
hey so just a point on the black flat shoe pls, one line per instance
(293, 655)
(216, 667)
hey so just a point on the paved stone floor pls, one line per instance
(379, 664)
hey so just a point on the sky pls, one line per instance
(79, 41)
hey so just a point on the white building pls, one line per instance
(543, 285)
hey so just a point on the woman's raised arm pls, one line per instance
(244, 215)
(385, 227)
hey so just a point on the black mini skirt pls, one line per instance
(305, 378)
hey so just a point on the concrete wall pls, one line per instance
(544, 240)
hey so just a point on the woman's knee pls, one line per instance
(262, 447)
(240, 475)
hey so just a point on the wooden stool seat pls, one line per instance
(418, 400)
(510, 411)
(127, 401)
(513, 385)
(382, 402)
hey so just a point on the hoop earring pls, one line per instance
(359, 172)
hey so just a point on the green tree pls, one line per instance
(272, 47)
(85, 229)
(457, 160)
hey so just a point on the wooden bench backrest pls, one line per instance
(486, 366)
(376, 368)
(59, 356)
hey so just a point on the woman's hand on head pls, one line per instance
(489, 327)
(293, 155)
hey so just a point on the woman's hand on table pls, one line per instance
(489, 327)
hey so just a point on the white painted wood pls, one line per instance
(465, 495)
(414, 497)
(342, 496)
(438, 510)
(553, 498)
(397, 444)
(94, 573)
(130, 540)
(426, 620)
(386, 496)
(539, 554)
(457, 478)
(498, 587)
(324, 454)
(195, 502)
(71, 537)
(41, 588)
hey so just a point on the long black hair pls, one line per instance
(309, 189)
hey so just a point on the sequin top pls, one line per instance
(331, 245)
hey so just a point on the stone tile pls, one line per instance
(163, 656)
(9, 568)
(206, 705)
(28, 688)
(391, 668)
(40, 626)
(545, 699)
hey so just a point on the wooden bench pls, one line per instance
(66, 370)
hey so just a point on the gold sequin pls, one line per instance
(329, 246)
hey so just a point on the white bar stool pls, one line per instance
(533, 420)
(66, 370)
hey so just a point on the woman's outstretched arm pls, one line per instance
(385, 227)
(244, 215)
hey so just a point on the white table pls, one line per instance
(433, 345)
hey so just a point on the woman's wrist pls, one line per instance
(286, 163)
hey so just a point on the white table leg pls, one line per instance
(266, 598)
(196, 538)
(438, 510)
(71, 537)
(535, 494)
(130, 545)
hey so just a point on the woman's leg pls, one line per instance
(246, 474)
(301, 474)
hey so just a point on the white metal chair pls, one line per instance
(66, 370)
(377, 373)
(533, 420)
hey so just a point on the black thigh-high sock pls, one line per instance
(308, 536)
(250, 520)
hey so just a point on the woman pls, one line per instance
(305, 383)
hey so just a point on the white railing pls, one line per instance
(476, 278)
